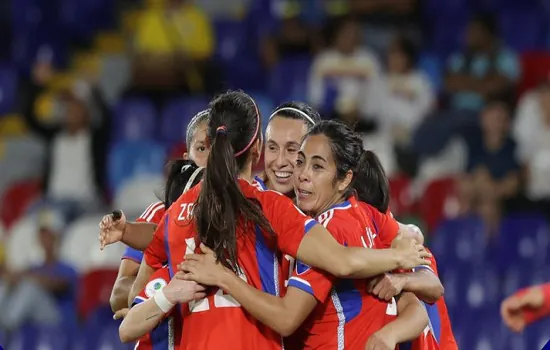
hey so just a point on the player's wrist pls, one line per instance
(225, 279)
(163, 301)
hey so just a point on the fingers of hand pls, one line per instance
(194, 257)
(206, 250)
(199, 295)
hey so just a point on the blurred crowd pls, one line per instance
(95, 96)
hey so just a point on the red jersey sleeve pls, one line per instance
(155, 254)
(432, 267)
(158, 280)
(385, 225)
(153, 213)
(289, 223)
(313, 281)
(533, 315)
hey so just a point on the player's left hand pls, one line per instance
(381, 341)
(121, 313)
(388, 285)
(202, 268)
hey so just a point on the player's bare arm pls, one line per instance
(127, 273)
(283, 315)
(423, 283)
(114, 228)
(412, 319)
(319, 249)
(144, 273)
(144, 317)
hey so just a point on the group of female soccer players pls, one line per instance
(299, 258)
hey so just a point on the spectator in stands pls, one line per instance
(493, 173)
(404, 97)
(293, 37)
(382, 19)
(485, 69)
(532, 132)
(173, 45)
(341, 75)
(74, 178)
(44, 294)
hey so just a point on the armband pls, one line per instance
(162, 302)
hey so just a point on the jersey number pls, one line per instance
(221, 299)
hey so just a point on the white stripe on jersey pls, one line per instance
(341, 318)
(158, 207)
(146, 212)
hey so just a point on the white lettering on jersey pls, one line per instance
(186, 211)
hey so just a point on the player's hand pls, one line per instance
(381, 340)
(410, 253)
(387, 286)
(121, 314)
(111, 229)
(512, 308)
(203, 268)
(179, 291)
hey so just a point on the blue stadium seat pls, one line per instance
(288, 79)
(134, 119)
(177, 114)
(533, 24)
(265, 106)
(447, 34)
(82, 18)
(134, 158)
(236, 53)
(431, 65)
(435, 8)
(34, 337)
(8, 89)
(101, 332)
(523, 241)
(459, 240)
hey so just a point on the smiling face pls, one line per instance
(315, 183)
(283, 137)
(199, 150)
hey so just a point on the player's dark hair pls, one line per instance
(369, 178)
(298, 111)
(487, 21)
(408, 48)
(233, 127)
(182, 175)
(197, 120)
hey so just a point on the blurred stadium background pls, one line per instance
(453, 95)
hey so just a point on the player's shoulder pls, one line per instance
(340, 220)
(153, 212)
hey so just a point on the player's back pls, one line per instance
(349, 314)
(218, 321)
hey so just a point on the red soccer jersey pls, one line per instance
(218, 320)
(167, 334)
(384, 225)
(152, 214)
(439, 333)
(346, 315)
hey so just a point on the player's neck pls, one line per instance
(334, 201)
(246, 172)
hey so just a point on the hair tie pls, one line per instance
(221, 130)
(192, 179)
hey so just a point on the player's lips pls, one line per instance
(303, 194)
(282, 177)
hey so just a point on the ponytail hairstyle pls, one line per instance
(297, 110)
(182, 175)
(234, 126)
(369, 182)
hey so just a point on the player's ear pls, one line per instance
(346, 181)
(185, 155)
(256, 151)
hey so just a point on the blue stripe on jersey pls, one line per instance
(261, 183)
(159, 336)
(340, 205)
(300, 284)
(350, 299)
(406, 346)
(309, 225)
(435, 320)
(133, 254)
(167, 246)
(267, 264)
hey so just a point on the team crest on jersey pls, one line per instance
(154, 286)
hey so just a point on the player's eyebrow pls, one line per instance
(319, 158)
(292, 144)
